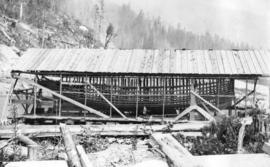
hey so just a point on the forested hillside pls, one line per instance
(138, 30)
(41, 23)
(95, 24)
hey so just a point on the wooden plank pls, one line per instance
(91, 110)
(83, 157)
(19, 101)
(103, 130)
(172, 148)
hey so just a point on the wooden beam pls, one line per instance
(164, 98)
(83, 157)
(19, 101)
(208, 103)
(102, 130)
(266, 147)
(205, 107)
(254, 95)
(243, 98)
(70, 147)
(246, 90)
(197, 108)
(103, 97)
(60, 100)
(137, 98)
(91, 110)
(31, 145)
(172, 148)
(22, 102)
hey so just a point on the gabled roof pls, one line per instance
(216, 62)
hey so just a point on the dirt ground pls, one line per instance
(123, 154)
(105, 152)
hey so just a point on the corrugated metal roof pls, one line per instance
(228, 62)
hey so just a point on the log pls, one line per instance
(31, 145)
(172, 148)
(245, 121)
(70, 147)
(6, 35)
(266, 148)
(84, 158)
(103, 130)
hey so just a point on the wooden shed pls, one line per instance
(133, 83)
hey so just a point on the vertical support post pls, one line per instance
(254, 94)
(21, 11)
(246, 94)
(85, 93)
(60, 100)
(111, 98)
(234, 101)
(137, 98)
(35, 97)
(27, 105)
(164, 99)
(192, 98)
(218, 92)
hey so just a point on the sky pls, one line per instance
(238, 20)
